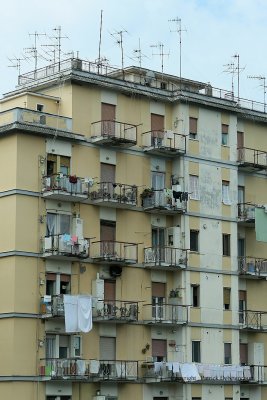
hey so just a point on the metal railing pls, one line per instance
(66, 245)
(116, 310)
(165, 198)
(165, 256)
(32, 117)
(246, 212)
(114, 192)
(255, 320)
(252, 265)
(165, 313)
(253, 157)
(71, 368)
(160, 139)
(114, 251)
(114, 130)
(53, 305)
(65, 183)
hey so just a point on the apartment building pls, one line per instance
(147, 194)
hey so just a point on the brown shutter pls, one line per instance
(109, 290)
(64, 278)
(225, 128)
(242, 295)
(158, 289)
(51, 277)
(108, 112)
(159, 348)
(108, 172)
(226, 295)
(243, 350)
(240, 140)
(157, 122)
(107, 348)
(107, 231)
(192, 125)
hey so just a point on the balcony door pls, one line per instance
(157, 130)
(108, 116)
(108, 172)
(159, 350)
(107, 238)
(158, 244)
(242, 305)
(158, 300)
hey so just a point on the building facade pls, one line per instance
(149, 194)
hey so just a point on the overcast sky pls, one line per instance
(213, 31)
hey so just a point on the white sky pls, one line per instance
(215, 31)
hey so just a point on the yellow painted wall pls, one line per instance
(21, 390)
(27, 224)
(8, 163)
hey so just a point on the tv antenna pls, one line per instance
(161, 53)
(99, 60)
(139, 54)
(235, 69)
(58, 37)
(261, 78)
(179, 30)
(16, 63)
(119, 40)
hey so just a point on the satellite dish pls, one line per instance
(149, 77)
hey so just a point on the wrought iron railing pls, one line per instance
(53, 305)
(160, 139)
(110, 129)
(114, 192)
(165, 256)
(70, 184)
(253, 157)
(164, 199)
(116, 310)
(114, 251)
(66, 245)
(246, 212)
(255, 320)
(165, 313)
(252, 265)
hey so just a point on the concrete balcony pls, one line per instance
(52, 306)
(65, 188)
(251, 160)
(252, 267)
(117, 311)
(165, 258)
(253, 321)
(65, 247)
(113, 133)
(73, 369)
(246, 214)
(196, 373)
(165, 314)
(38, 119)
(111, 252)
(117, 195)
(164, 201)
(168, 143)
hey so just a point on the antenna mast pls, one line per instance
(235, 69)
(59, 38)
(161, 53)
(120, 43)
(261, 78)
(179, 30)
(100, 41)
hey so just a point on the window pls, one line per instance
(192, 128)
(40, 107)
(58, 224)
(225, 134)
(225, 193)
(159, 349)
(226, 244)
(226, 298)
(196, 351)
(195, 290)
(193, 187)
(243, 351)
(194, 235)
(57, 164)
(158, 300)
(227, 353)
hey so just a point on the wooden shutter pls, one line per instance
(108, 172)
(240, 140)
(243, 350)
(158, 289)
(242, 295)
(157, 122)
(192, 125)
(108, 112)
(107, 230)
(159, 348)
(225, 128)
(109, 290)
(64, 278)
(107, 348)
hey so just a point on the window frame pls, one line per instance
(194, 234)
(226, 244)
(194, 187)
(226, 193)
(196, 352)
(227, 353)
(225, 135)
(195, 295)
(193, 125)
(226, 298)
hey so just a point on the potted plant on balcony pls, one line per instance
(148, 192)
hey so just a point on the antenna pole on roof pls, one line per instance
(100, 41)
(261, 78)
(161, 53)
(120, 43)
(179, 30)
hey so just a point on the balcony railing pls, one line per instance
(165, 257)
(52, 305)
(166, 201)
(252, 266)
(92, 370)
(252, 159)
(193, 372)
(253, 320)
(170, 314)
(116, 194)
(65, 245)
(115, 310)
(114, 133)
(35, 118)
(113, 252)
(164, 142)
(246, 212)
(64, 187)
